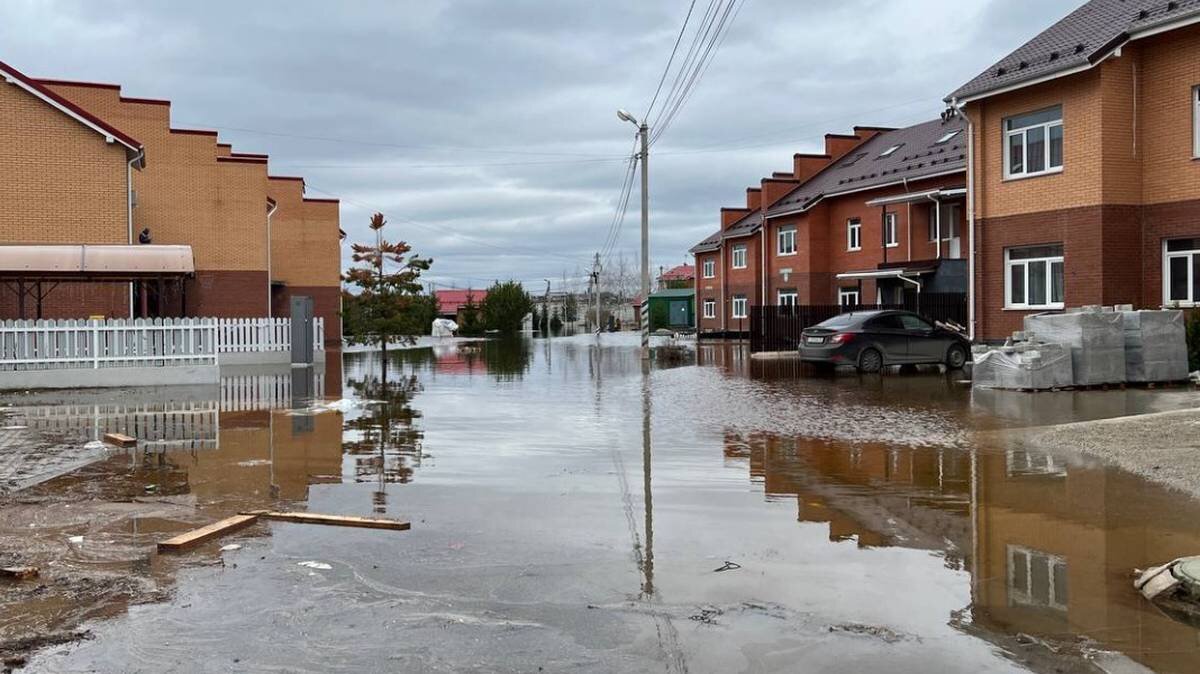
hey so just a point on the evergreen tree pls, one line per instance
(385, 295)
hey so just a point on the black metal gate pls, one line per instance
(777, 328)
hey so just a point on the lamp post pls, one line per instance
(644, 157)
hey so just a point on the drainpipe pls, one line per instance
(270, 211)
(724, 310)
(908, 219)
(141, 154)
(762, 270)
(971, 262)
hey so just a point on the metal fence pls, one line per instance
(158, 342)
(778, 328)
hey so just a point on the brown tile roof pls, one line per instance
(1080, 40)
(917, 154)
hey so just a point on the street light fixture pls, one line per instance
(644, 156)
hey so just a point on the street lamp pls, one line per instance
(644, 156)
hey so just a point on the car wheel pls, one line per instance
(870, 361)
(956, 357)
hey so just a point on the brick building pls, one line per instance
(874, 219)
(1084, 147)
(256, 240)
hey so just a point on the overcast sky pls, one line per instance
(486, 129)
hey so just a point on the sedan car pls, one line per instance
(872, 340)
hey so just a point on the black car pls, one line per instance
(872, 340)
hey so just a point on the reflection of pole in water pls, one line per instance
(648, 561)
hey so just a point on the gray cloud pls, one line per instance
(490, 124)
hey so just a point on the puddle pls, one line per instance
(568, 514)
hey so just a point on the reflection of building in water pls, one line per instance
(1056, 546)
(872, 493)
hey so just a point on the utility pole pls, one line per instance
(644, 156)
(596, 290)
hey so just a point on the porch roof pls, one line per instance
(94, 262)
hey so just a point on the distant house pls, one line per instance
(451, 302)
(683, 276)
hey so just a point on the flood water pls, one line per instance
(571, 512)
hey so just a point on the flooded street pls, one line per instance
(570, 513)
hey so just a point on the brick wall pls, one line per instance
(60, 182)
(186, 196)
(708, 288)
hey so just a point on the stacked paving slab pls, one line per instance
(1084, 347)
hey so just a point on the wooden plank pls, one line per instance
(120, 440)
(198, 536)
(333, 520)
(19, 572)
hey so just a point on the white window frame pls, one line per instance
(891, 231)
(710, 309)
(1024, 595)
(1192, 272)
(739, 251)
(1024, 133)
(785, 235)
(787, 298)
(710, 269)
(1009, 263)
(844, 294)
(1196, 122)
(739, 307)
(853, 234)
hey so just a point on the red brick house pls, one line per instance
(879, 215)
(1085, 180)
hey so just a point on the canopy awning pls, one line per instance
(94, 262)
(927, 195)
(910, 274)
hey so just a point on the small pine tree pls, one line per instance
(385, 296)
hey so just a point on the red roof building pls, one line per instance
(682, 273)
(451, 301)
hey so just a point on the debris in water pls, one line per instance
(19, 572)
(254, 462)
(75, 539)
(198, 536)
(707, 615)
(728, 566)
(231, 547)
(315, 565)
(94, 445)
(888, 635)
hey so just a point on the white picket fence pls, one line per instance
(159, 342)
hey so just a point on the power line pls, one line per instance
(667, 70)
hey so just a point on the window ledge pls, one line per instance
(1048, 307)
(891, 245)
(1026, 176)
(791, 254)
(853, 250)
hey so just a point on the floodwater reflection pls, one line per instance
(872, 522)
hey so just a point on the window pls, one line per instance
(891, 238)
(890, 151)
(740, 307)
(915, 323)
(787, 240)
(710, 268)
(949, 225)
(848, 297)
(1033, 277)
(1036, 578)
(1181, 272)
(739, 256)
(1033, 143)
(788, 297)
(710, 308)
(853, 160)
(854, 234)
(948, 137)
(1196, 122)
